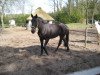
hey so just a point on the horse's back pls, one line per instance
(53, 30)
(56, 28)
(49, 31)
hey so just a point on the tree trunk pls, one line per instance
(2, 22)
(93, 18)
(2, 17)
(77, 4)
(60, 4)
(87, 12)
(54, 6)
(57, 5)
(23, 7)
(93, 11)
(86, 16)
(69, 6)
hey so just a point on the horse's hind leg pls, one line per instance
(66, 40)
(66, 43)
(60, 41)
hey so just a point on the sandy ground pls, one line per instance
(20, 49)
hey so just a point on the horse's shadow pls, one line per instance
(71, 61)
(36, 49)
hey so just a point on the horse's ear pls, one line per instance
(31, 15)
(36, 16)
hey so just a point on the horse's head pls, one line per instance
(34, 23)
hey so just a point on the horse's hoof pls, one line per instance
(47, 53)
(41, 55)
(55, 51)
(67, 50)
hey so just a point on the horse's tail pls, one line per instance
(66, 40)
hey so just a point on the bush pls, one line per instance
(97, 17)
(61, 16)
(20, 19)
(64, 17)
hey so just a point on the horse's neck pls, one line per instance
(40, 25)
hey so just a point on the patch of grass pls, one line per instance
(6, 25)
(77, 26)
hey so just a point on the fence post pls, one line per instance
(98, 36)
(85, 37)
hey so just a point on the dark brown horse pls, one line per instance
(47, 31)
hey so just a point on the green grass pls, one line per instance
(77, 26)
(5, 25)
(70, 25)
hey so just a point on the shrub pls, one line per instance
(64, 17)
(20, 19)
(97, 17)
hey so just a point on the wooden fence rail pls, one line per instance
(87, 32)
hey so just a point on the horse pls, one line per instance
(47, 31)
(97, 25)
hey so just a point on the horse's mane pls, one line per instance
(41, 19)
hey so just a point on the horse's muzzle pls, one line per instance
(33, 30)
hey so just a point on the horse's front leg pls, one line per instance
(41, 40)
(46, 41)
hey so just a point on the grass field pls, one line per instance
(77, 26)
(70, 25)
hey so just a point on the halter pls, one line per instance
(33, 27)
(37, 25)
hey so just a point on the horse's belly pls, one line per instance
(49, 33)
(49, 36)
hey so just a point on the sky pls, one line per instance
(46, 5)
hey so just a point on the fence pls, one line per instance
(17, 24)
(87, 35)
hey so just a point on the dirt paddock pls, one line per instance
(20, 49)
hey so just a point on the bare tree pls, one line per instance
(60, 4)
(89, 7)
(70, 6)
(98, 6)
(5, 6)
(20, 4)
(30, 3)
(77, 4)
(53, 4)
(93, 7)
(2, 5)
(56, 4)
(85, 4)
